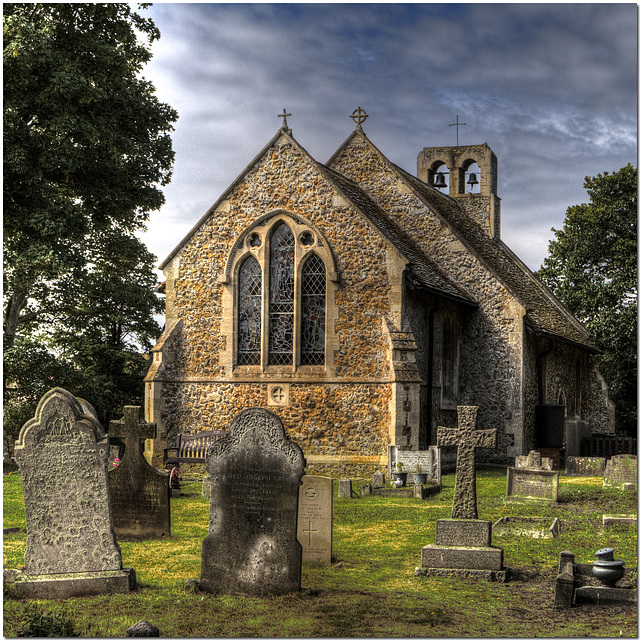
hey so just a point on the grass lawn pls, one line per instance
(370, 590)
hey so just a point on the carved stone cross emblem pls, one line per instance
(359, 116)
(466, 438)
(132, 430)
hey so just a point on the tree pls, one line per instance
(592, 267)
(86, 142)
(87, 149)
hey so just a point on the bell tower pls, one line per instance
(470, 174)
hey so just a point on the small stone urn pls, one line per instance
(606, 568)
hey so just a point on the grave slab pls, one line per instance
(585, 466)
(252, 548)
(315, 519)
(470, 558)
(531, 527)
(620, 470)
(456, 532)
(612, 519)
(140, 495)
(526, 485)
(63, 456)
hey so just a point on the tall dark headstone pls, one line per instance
(140, 495)
(252, 546)
(71, 546)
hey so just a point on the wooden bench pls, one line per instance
(191, 449)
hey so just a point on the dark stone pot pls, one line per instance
(419, 478)
(401, 476)
(606, 568)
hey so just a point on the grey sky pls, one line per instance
(552, 88)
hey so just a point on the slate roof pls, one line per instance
(425, 271)
(546, 315)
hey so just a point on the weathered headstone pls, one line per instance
(140, 495)
(315, 518)
(463, 543)
(252, 548)
(378, 480)
(344, 488)
(585, 466)
(533, 482)
(466, 438)
(534, 461)
(71, 545)
(620, 470)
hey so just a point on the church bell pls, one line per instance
(473, 180)
(440, 183)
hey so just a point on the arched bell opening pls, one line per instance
(439, 176)
(469, 179)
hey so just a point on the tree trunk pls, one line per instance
(17, 302)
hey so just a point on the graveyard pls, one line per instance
(371, 587)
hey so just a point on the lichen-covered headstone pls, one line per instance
(140, 495)
(466, 438)
(252, 546)
(620, 470)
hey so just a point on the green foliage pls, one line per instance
(87, 149)
(592, 267)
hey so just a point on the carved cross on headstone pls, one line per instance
(466, 438)
(310, 531)
(132, 430)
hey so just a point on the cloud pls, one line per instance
(552, 88)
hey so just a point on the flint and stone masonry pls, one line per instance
(423, 308)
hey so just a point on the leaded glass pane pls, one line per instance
(281, 290)
(249, 312)
(313, 311)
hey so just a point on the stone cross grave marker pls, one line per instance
(252, 545)
(315, 518)
(466, 438)
(140, 495)
(63, 454)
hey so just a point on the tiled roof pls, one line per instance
(424, 270)
(545, 313)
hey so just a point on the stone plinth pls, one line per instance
(463, 533)
(60, 586)
(471, 558)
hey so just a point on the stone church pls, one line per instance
(363, 304)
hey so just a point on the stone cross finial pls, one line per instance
(132, 430)
(457, 124)
(359, 116)
(466, 438)
(284, 115)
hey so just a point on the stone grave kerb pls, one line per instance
(466, 438)
(133, 431)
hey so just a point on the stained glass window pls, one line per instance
(281, 290)
(313, 311)
(249, 312)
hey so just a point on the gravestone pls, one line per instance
(533, 482)
(620, 470)
(140, 495)
(466, 438)
(378, 480)
(585, 466)
(71, 545)
(463, 543)
(344, 488)
(315, 519)
(252, 548)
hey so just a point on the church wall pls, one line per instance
(491, 345)
(342, 413)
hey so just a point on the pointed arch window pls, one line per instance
(249, 312)
(313, 311)
(281, 292)
(282, 276)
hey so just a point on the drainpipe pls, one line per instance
(432, 312)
